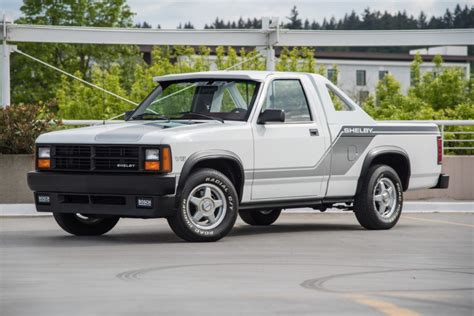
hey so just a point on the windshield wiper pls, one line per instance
(153, 116)
(202, 115)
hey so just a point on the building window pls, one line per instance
(332, 75)
(382, 74)
(360, 77)
(363, 96)
(412, 79)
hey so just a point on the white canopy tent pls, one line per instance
(266, 39)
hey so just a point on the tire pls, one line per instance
(260, 218)
(82, 225)
(207, 207)
(379, 203)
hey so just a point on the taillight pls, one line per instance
(439, 140)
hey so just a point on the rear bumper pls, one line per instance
(443, 182)
(107, 194)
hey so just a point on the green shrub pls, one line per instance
(21, 124)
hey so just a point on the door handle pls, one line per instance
(313, 132)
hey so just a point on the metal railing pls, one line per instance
(458, 135)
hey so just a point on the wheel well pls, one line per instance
(228, 167)
(398, 162)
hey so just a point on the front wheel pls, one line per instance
(379, 203)
(85, 225)
(260, 218)
(208, 207)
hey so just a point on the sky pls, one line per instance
(170, 13)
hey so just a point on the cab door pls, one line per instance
(288, 160)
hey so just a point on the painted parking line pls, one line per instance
(438, 221)
(382, 306)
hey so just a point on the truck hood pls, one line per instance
(126, 133)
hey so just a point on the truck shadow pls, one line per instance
(247, 230)
(149, 235)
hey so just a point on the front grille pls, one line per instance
(72, 163)
(73, 151)
(96, 158)
(103, 151)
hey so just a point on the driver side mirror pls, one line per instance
(127, 115)
(271, 115)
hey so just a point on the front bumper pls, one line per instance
(104, 194)
(443, 182)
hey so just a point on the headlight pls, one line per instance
(152, 154)
(158, 159)
(44, 152)
(43, 160)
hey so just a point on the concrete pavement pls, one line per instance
(304, 264)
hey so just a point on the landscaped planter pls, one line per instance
(461, 181)
(13, 185)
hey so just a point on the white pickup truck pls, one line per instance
(204, 147)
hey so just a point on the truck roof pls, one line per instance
(226, 74)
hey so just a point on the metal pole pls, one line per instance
(270, 58)
(272, 27)
(442, 139)
(5, 67)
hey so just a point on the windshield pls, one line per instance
(199, 99)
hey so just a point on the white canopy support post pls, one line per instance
(5, 96)
(5, 75)
(272, 27)
(270, 58)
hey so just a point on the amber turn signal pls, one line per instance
(44, 163)
(152, 165)
(166, 159)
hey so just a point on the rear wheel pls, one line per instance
(379, 203)
(260, 218)
(85, 224)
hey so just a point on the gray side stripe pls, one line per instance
(344, 152)
(336, 155)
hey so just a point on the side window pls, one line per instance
(288, 95)
(339, 103)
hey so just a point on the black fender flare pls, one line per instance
(200, 156)
(376, 152)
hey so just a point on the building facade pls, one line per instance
(358, 73)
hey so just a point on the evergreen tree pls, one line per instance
(295, 22)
